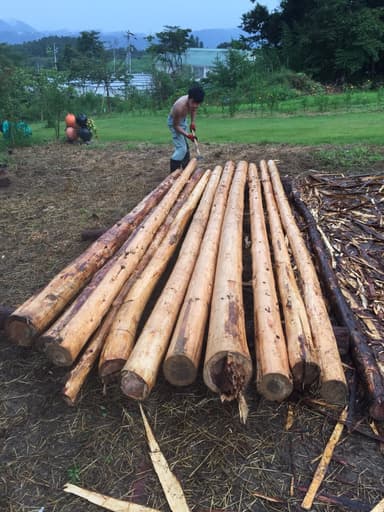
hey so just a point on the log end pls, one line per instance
(20, 330)
(109, 371)
(58, 355)
(228, 374)
(179, 370)
(275, 386)
(305, 374)
(133, 386)
(334, 392)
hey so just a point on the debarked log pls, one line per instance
(333, 383)
(183, 357)
(360, 350)
(227, 364)
(66, 338)
(302, 355)
(121, 337)
(273, 378)
(141, 369)
(41, 309)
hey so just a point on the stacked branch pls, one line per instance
(183, 357)
(333, 383)
(66, 338)
(228, 364)
(302, 354)
(119, 342)
(141, 369)
(274, 380)
(40, 310)
(83, 366)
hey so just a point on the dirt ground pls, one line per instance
(56, 192)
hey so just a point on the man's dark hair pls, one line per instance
(197, 94)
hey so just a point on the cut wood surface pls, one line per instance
(121, 337)
(361, 352)
(141, 369)
(333, 383)
(228, 364)
(302, 354)
(65, 340)
(40, 310)
(183, 357)
(273, 379)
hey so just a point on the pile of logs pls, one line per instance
(162, 290)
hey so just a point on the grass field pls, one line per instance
(342, 128)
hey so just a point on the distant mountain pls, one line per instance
(17, 32)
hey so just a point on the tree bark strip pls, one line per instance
(302, 354)
(228, 364)
(183, 357)
(333, 383)
(41, 309)
(361, 352)
(82, 368)
(141, 369)
(273, 379)
(63, 345)
(119, 342)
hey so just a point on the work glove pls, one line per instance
(191, 137)
(192, 127)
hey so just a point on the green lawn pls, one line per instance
(342, 128)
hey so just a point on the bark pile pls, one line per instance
(163, 290)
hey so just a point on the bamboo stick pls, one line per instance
(273, 375)
(333, 383)
(228, 365)
(302, 354)
(80, 371)
(40, 310)
(183, 357)
(65, 339)
(141, 369)
(119, 342)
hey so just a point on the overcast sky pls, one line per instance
(147, 16)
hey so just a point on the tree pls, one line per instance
(169, 47)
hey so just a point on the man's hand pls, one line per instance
(192, 127)
(192, 137)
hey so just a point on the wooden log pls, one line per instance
(121, 337)
(82, 368)
(361, 352)
(273, 377)
(333, 383)
(302, 355)
(228, 365)
(141, 369)
(40, 310)
(65, 339)
(183, 357)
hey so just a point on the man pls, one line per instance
(177, 123)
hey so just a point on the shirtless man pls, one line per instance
(177, 123)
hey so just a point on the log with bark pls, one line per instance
(361, 352)
(67, 337)
(228, 365)
(273, 377)
(141, 369)
(183, 357)
(40, 310)
(302, 354)
(333, 386)
(119, 342)
(80, 371)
